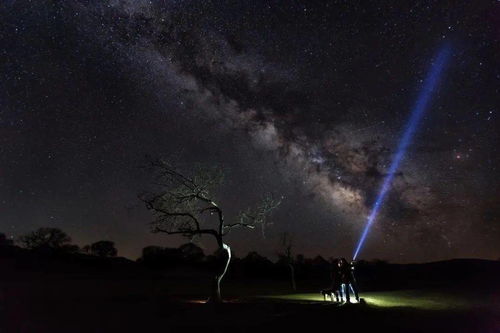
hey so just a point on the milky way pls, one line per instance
(304, 100)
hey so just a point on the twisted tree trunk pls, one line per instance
(226, 257)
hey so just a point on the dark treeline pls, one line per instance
(54, 239)
(371, 275)
(189, 260)
(55, 243)
(253, 265)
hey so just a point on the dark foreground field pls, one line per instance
(123, 297)
(415, 311)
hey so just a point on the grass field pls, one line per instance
(109, 306)
(430, 300)
(105, 301)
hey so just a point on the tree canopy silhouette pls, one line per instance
(183, 203)
(45, 237)
(103, 248)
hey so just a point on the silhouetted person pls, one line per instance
(335, 289)
(342, 276)
(337, 281)
(348, 281)
(353, 284)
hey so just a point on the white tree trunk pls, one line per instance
(216, 294)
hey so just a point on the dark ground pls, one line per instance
(40, 295)
(133, 314)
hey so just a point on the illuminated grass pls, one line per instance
(414, 299)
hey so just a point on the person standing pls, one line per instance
(353, 285)
(348, 281)
(337, 281)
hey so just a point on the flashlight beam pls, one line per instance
(419, 108)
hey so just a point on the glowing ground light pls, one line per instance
(424, 97)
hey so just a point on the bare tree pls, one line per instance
(286, 255)
(183, 204)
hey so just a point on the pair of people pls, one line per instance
(343, 281)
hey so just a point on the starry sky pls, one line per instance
(305, 99)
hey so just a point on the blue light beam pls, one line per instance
(419, 108)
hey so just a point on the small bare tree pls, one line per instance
(183, 203)
(286, 255)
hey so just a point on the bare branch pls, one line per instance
(258, 215)
(251, 226)
(181, 200)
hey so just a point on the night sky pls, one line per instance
(305, 99)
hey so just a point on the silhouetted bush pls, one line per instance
(45, 238)
(103, 248)
(160, 257)
(70, 248)
(255, 265)
(191, 253)
(85, 249)
(4, 241)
